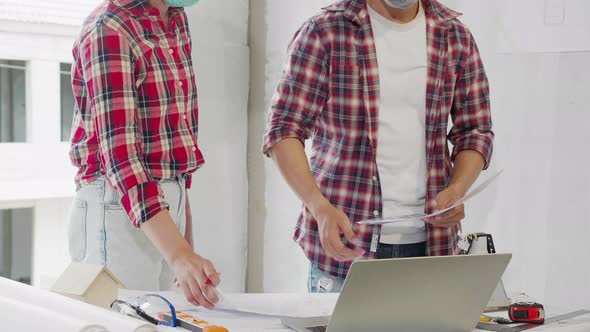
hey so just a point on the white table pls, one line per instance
(310, 303)
(251, 323)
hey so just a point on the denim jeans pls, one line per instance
(101, 233)
(322, 282)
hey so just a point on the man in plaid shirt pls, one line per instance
(134, 142)
(373, 83)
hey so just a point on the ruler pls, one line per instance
(524, 327)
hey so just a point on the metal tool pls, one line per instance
(524, 327)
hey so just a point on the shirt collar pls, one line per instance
(140, 7)
(356, 11)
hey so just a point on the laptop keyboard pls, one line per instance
(317, 328)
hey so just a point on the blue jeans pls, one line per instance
(322, 282)
(101, 233)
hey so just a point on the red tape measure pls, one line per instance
(527, 313)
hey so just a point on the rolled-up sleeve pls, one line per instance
(108, 66)
(302, 89)
(472, 121)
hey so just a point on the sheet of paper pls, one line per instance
(281, 305)
(276, 305)
(409, 217)
(79, 311)
(239, 321)
(16, 316)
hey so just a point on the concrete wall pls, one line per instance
(539, 90)
(275, 262)
(220, 195)
(536, 65)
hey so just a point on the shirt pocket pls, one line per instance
(77, 232)
(345, 104)
(344, 78)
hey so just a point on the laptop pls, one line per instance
(425, 294)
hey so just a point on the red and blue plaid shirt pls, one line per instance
(136, 115)
(329, 91)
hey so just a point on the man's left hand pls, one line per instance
(445, 199)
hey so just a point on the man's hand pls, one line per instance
(468, 165)
(445, 199)
(197, 277)
(331, 224)
(289, 155)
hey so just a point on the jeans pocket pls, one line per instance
(77, 230)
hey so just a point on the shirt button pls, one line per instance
(184, 117)
(376, 213)
(194, 148)
(374, 178)
(179, 83)
(170, 51)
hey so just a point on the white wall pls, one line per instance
(220, 189)
(539, 90)
(536, 210)
(275, 263)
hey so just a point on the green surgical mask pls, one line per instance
(181, 3)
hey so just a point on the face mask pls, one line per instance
(181, 3)
(400, 4)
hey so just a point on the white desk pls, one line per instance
(244, 322)
(251, 323)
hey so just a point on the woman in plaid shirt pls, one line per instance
(374, 83)
(134, 141)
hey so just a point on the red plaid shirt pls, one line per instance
(329, 91)
(136, 115)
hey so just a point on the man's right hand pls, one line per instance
(331, 224)
(289, 155)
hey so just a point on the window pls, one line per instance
(67, 101)
(16, 244)
(13, 110)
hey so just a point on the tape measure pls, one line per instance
(527, 312)
(524, 327)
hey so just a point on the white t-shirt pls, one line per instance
(401, 143)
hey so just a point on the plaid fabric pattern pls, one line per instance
(136, 115)
(329, 91)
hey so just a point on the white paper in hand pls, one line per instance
(409, 217)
